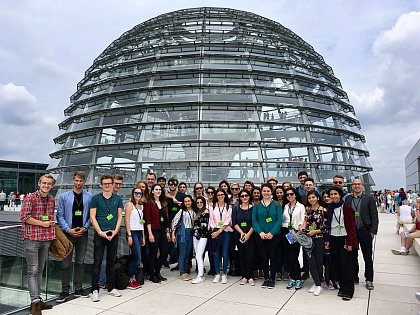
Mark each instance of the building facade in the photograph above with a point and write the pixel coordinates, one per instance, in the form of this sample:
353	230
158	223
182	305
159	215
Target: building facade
210	94
412	168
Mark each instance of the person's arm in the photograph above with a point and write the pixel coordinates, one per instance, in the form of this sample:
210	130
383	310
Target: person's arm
61	220
255	223
373	210
279	215
119	221
87	224
95	223
128	209
26	214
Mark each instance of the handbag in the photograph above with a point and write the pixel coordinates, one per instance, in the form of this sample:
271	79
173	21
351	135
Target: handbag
61	246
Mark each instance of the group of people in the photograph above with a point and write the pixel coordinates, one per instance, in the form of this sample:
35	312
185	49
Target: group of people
12	200
261	228
389	200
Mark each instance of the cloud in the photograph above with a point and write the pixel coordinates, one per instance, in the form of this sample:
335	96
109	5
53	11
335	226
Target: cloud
396	94
17	105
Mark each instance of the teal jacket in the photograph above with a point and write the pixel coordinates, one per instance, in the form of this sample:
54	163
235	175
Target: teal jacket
267	219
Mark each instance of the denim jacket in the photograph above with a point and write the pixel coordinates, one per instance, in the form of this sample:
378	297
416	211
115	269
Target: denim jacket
65	210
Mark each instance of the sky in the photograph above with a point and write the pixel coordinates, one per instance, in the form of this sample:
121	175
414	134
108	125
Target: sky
373	47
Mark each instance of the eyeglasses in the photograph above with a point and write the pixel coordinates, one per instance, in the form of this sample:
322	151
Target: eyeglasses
138	193
210	193
290	194
198	188
172	184
220	195
235	188
244	196
337	182
117	184
199	202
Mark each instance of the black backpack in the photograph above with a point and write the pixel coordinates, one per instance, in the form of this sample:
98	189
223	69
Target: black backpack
120	273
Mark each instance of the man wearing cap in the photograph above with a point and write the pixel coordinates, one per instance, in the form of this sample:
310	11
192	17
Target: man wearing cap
272	181
366	219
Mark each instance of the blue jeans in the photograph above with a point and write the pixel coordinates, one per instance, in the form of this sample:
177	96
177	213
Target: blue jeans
36	252
224	249
184	250
137	237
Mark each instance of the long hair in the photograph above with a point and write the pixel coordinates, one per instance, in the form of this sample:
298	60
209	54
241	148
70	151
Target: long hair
246	192
132	199
229	192
183	207
282	202
162	197
202	190
226	199
146	191
316	194
199	212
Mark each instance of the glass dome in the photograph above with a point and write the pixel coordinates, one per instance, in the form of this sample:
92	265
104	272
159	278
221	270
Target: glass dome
209	94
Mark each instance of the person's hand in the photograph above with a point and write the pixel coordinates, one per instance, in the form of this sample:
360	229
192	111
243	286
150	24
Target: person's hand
214	234
103	234
327	245
168	236
112	235
143	242
129	240
46	224
73	232
262	235
311	233
246	238
349	248
173	238
373	236
268	236
151	238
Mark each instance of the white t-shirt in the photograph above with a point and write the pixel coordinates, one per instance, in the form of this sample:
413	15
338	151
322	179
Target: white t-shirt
135	218
405	213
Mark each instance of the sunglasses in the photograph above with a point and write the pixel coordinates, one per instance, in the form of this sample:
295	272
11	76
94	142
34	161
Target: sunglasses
198	202
210	193
338	182
244	196
172	184
220	195
290	194
198	188
235	188
137	193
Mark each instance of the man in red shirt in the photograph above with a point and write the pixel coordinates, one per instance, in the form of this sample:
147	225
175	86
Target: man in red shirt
38	230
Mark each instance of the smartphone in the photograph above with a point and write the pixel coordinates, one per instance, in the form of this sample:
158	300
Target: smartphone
109	233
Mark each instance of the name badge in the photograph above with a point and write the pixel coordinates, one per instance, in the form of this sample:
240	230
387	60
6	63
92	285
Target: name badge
290	224
220	223
340	227
357	214
268	220
244	224
142	221
78	213
311	228
162	219
174	209
109	216
44	218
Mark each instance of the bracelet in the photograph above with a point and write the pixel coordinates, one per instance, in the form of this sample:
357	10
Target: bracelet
128	235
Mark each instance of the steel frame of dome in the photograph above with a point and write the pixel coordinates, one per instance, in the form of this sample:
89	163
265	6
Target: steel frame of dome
209	94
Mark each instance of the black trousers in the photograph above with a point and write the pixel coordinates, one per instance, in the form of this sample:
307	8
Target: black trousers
365	240
316	261
246	252
268	250
292	258
343	264
99	245
159	245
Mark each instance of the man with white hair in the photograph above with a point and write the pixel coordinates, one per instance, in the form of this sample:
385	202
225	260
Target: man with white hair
405	215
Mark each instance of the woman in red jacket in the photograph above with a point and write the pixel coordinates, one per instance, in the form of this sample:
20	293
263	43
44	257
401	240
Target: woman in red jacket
342	240
157	222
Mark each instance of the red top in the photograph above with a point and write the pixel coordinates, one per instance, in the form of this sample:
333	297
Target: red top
37	207
151	215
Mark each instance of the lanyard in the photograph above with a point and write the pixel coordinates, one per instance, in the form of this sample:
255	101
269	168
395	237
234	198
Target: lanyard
356	206
78	203
107	203
290	211
221	212
339	217
267	214
140	215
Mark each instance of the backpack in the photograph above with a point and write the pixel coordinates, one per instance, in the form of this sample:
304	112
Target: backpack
120	273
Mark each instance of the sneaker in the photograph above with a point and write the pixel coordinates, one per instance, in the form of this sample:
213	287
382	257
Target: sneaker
418	296
64	296
224	279
81	293
279	276
185	277
291	284
251	282
94	296
331	287
133	284
45	306
298	285
271	284
243	281
216	279
369	285
114	292
398	252
312	289
346	298
340	294
198	279
265	284
317	290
